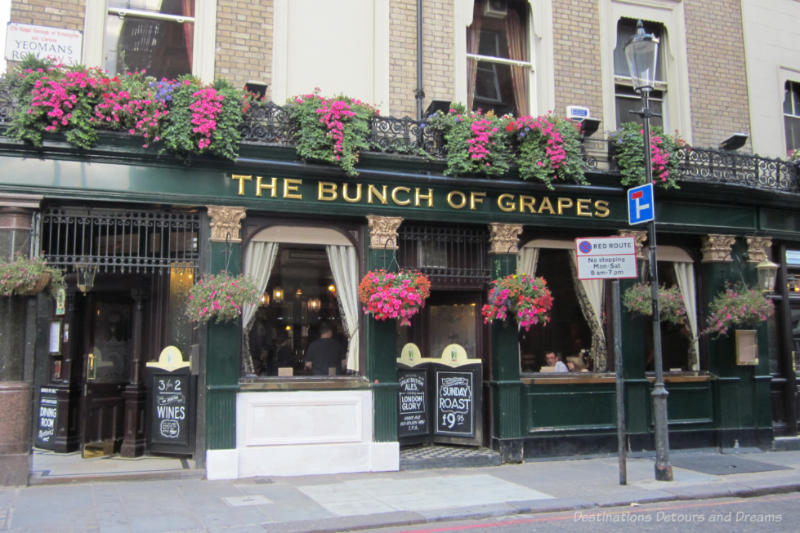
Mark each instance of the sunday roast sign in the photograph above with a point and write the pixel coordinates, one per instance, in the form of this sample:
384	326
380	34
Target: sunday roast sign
455	401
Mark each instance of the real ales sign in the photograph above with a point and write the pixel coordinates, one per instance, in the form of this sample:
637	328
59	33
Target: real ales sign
60	45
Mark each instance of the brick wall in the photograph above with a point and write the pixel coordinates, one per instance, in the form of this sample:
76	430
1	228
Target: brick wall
244	42
576	52
67	14
437	72
717	73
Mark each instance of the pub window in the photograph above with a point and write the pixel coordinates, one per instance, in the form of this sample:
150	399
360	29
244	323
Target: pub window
152	35
626	99
498	64
576	329
791	115
679	344
308	278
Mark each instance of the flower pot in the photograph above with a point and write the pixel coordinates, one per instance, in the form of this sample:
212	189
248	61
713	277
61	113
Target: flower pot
38	286
746	347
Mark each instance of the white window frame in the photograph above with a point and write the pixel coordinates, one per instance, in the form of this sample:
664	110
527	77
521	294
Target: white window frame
203	48
670	14
784	114
541	86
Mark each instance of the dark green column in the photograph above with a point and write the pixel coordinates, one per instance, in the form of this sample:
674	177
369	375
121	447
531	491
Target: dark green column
504	374
223	341
381	335
741	393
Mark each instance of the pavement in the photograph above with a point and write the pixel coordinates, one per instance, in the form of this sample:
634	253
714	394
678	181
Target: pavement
161	494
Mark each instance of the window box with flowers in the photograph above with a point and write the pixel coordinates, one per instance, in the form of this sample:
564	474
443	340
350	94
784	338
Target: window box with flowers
476	144
333	130
549	149
28	276
525	299
742	309
220	297
628	144
388	295
189	118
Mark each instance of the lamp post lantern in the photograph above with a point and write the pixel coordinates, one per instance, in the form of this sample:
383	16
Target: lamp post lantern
641	54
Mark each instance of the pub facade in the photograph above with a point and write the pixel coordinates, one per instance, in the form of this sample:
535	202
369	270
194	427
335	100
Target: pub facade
135	228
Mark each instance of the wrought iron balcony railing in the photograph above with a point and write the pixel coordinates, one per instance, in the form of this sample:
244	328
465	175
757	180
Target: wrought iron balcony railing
269	124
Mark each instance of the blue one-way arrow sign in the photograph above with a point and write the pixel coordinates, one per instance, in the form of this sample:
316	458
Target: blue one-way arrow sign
641	207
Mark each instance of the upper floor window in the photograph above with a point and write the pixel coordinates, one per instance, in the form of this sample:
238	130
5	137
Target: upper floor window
627	101
498	66
152	35
791	115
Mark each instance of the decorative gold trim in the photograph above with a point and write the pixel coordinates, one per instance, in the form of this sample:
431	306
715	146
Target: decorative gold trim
504	238
758	249
225	222
383	232
638	238
717	248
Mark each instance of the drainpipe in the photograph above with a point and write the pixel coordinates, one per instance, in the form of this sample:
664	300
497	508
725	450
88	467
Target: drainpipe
420	92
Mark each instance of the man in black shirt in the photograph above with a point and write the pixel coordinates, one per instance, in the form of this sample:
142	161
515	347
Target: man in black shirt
325	353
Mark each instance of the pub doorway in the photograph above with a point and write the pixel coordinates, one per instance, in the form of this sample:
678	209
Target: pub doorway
106	355
449	336
128	273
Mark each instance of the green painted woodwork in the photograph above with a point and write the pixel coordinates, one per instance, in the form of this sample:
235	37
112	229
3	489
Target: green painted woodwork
570	406
690	404
381	360
506	387
776	221
223	345
638	403
726	217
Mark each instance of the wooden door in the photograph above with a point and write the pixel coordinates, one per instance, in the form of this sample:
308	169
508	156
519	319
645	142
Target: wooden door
107	353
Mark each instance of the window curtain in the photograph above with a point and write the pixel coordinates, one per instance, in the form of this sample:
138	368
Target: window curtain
684	273
187	9
527	258
473	47
258	263
516	50
344	267
590	298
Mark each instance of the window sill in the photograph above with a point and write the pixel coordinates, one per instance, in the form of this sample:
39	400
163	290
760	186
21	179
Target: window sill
588	378
302	383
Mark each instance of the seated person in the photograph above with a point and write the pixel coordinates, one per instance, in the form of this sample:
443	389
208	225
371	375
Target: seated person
575	364
554	363
326	355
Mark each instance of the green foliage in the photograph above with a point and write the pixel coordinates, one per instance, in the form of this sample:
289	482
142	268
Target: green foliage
638	299
204	119
476	144
192	118
24	275
55	99
333	130
737	307
629	145
220	297
549	149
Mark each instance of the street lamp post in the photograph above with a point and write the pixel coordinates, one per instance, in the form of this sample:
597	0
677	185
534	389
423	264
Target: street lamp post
641	53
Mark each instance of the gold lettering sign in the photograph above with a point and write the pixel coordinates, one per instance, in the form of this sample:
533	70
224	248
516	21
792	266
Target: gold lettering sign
406	196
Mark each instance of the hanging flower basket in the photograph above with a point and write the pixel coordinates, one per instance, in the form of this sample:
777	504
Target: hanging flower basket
525	298
220	297
28	276
638	300
388	295
737	307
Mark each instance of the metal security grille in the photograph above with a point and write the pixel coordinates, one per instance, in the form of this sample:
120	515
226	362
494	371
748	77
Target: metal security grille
452	256
120	240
